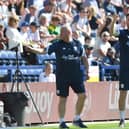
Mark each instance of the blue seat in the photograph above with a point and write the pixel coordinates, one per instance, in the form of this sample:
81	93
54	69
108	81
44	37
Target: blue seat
4	75
34	71
3	72
40	58
11	55
8	57
3	54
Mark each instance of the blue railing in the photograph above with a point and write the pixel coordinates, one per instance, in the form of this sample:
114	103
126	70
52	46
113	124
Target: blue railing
103	69
29	70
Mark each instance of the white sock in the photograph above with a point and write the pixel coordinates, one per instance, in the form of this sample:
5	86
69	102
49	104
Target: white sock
77	117
122	114
61	120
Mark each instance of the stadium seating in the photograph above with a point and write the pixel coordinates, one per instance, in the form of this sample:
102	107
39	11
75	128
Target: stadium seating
8	66
30	73
44	58
24	73
8	57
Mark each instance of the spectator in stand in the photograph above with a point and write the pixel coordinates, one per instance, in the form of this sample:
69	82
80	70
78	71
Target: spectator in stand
24	31
106	26
89	49
15	6
33	39
48	10
110	60
22	16
88	41
66	19
80	22
94	20
43	21
54	26
33	34
47	75
31	16
87	3
4	12
89	53
109	7
118	4
102	46
65	6
13	35
125	9
100	3
77	36
3	39
126	1
118	24
37	3
45	36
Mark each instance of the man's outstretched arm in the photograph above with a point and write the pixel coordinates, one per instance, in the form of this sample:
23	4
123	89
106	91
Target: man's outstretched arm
36	50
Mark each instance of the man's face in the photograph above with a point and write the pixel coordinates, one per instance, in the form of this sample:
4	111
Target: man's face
33	28
66	34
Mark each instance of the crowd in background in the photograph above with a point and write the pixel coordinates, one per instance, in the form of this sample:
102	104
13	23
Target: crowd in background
95	23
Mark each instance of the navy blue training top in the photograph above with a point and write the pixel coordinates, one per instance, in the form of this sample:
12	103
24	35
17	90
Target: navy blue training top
68	61
124	55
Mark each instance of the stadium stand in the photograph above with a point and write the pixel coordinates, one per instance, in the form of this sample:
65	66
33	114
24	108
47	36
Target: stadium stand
31	72
8	67
66	12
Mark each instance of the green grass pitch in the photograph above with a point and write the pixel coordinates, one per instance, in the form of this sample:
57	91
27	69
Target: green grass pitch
105	125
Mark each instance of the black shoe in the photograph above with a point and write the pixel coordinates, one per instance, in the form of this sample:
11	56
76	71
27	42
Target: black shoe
122	123
63	126
79	123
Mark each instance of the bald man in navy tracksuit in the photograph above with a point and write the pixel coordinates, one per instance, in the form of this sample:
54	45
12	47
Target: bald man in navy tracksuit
69	55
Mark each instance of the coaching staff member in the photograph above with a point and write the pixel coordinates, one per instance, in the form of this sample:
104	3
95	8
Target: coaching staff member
124	70
69	54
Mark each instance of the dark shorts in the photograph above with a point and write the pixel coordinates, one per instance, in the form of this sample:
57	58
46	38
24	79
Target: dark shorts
62	87
123	85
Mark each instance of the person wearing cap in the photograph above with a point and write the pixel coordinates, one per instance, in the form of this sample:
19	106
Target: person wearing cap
13	35
33	40
24	28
